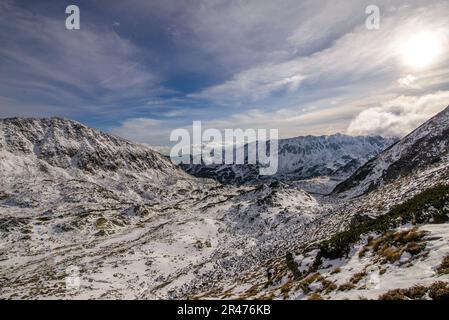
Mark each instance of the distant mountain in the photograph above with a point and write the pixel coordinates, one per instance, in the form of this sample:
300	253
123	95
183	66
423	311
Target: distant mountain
302	158
424	148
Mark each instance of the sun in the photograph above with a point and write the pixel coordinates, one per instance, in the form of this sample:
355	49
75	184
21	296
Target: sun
421	49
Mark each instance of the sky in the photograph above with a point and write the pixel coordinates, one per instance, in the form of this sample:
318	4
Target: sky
140	68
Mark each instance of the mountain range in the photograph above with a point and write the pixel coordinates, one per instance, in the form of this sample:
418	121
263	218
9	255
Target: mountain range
300	158
137	226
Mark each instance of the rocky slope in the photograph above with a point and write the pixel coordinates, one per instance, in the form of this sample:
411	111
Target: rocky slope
425	147
72	146
389	242
133	224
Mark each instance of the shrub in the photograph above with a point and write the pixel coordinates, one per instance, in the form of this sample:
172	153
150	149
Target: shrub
101	223
439	291
415	292
391	254
312	278
362	252
396	294
444	266
336	270
292	265
305	283
414	248
315	296
328	286
346	287
357	277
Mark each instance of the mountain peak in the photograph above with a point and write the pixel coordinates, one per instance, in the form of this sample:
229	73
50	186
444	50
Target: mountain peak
68	144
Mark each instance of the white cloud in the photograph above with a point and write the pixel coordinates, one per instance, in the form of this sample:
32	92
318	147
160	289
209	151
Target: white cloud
290	122
356	58
399	116
394	117
256	84
408	82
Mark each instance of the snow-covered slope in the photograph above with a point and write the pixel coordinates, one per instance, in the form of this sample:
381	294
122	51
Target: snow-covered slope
52	162
134	224
69	145
425	147
142	228
303	158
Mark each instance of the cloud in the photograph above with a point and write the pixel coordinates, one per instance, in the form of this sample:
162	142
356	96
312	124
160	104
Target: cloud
256	84
43	61
408	82
399	116
290	122
301	66
352	59
387	116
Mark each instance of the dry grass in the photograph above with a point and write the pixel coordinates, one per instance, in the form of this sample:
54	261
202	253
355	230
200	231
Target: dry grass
416	292
443	268
315	296
346	287
286	288
437	291
391	245
357	277
390	254
328	286
363	252
396	294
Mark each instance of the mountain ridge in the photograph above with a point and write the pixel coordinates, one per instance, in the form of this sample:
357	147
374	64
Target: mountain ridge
302	158
69	144
424	147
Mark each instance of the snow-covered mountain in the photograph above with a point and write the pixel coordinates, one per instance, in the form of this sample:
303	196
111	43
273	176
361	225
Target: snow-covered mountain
425	147
302	158
136	226
69	145
42	159
132	222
